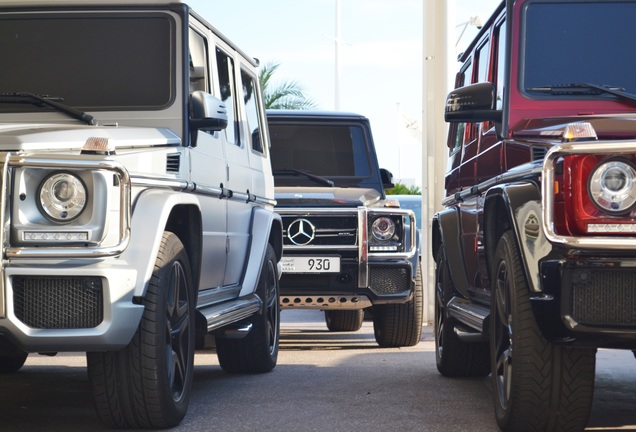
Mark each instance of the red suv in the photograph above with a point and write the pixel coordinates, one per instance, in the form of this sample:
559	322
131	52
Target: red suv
536	244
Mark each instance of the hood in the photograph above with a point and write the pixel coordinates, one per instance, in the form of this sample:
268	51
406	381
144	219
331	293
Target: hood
607	127
29	137
326	197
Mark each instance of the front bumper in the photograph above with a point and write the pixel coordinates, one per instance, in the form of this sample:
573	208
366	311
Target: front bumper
61	307
366	277
588	302
388	282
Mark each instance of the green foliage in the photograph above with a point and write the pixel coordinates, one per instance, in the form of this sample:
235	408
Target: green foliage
284	95
401	189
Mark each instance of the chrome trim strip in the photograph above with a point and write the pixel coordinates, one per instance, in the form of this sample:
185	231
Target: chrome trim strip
185	186
313	211
363	250
521	172
467	313
310	247
78	252
160	182
3	205
595	147
223	314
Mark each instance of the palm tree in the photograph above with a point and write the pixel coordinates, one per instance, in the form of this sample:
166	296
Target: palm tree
285	95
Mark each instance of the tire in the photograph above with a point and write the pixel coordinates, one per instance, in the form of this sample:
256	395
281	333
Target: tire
454	357
537	386
147	383
398	325
257	352
12	358
344	320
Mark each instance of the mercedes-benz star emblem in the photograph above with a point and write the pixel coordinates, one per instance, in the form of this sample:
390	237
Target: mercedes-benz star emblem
301	232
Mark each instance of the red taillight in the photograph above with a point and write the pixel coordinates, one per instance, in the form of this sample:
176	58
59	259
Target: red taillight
575	212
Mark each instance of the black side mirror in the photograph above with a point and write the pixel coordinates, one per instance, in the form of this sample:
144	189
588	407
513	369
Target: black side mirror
473	103
387	179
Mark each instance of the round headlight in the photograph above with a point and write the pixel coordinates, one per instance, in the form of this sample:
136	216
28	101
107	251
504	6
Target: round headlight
383	228
62	197
612	186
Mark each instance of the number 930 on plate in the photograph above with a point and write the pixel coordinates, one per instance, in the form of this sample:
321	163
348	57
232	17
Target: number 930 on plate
314	264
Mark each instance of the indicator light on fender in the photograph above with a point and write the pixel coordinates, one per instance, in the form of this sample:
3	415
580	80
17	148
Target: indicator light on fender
579	131
98	145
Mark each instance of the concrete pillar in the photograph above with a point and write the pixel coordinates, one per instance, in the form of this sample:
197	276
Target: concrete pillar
438	48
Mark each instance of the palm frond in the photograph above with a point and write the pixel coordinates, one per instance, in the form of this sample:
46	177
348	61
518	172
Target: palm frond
285	95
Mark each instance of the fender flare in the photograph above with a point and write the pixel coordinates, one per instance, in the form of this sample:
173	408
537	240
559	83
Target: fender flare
146	232
266	228
447	232
521	204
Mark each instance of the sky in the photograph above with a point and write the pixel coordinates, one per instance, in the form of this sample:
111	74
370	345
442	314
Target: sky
380	59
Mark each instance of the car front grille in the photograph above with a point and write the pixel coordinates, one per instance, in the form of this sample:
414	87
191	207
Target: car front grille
330	229
603	296
58	302
385	280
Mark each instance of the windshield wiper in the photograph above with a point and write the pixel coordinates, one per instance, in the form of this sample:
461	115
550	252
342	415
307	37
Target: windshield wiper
585	89
310	176
35	99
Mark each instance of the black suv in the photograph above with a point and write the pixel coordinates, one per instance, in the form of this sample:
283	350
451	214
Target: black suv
346	247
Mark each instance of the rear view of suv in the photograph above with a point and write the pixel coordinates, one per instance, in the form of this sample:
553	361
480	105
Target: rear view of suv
536	244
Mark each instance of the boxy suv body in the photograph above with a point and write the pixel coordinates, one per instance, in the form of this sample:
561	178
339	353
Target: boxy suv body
536	244
137	200
346	247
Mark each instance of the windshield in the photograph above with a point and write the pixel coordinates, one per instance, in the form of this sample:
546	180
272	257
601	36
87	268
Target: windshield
579	42
104	62
325	150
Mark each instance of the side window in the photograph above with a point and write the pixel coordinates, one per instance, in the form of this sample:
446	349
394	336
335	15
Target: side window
501	63
482	59
198	63
226	82
462	133
251	110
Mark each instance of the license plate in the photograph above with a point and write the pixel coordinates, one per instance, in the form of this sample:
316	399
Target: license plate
311	264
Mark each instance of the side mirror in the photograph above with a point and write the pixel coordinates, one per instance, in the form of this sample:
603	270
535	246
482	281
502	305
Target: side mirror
207	112
387	179
473	103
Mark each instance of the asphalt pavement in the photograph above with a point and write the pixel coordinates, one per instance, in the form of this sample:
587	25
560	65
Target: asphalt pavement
323	382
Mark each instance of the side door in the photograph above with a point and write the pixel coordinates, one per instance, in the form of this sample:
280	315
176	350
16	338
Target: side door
257	137
470	209
209	169
239	177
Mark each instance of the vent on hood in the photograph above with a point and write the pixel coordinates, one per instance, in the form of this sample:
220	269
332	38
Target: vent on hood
538	153
173	163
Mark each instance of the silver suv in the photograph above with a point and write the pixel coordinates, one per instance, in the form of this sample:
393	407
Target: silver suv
137	201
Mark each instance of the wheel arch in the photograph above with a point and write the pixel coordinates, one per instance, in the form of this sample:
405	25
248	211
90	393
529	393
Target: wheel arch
447	233
156	211
266	228
509	207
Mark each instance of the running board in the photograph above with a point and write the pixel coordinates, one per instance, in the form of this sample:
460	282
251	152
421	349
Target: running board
470	315
227	313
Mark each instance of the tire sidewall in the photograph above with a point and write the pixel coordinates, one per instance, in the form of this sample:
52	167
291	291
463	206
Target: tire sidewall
155	322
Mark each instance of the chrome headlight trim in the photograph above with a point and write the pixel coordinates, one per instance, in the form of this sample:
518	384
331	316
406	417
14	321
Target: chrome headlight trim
612	186
62	197
383	228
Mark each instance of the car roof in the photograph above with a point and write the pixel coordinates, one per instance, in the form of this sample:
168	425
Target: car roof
310	114
406	197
